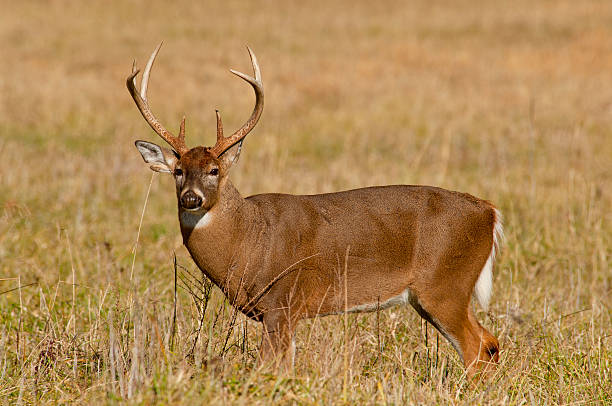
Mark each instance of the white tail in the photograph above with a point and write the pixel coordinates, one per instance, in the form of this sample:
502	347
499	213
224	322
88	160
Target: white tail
484	284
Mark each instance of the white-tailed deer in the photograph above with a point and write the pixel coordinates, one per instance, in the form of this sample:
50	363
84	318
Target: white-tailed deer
280	258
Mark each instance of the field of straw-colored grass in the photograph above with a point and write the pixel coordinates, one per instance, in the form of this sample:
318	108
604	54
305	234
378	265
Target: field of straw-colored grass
510	101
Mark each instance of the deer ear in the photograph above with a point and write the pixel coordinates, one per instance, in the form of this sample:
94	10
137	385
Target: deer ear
161	159
229	157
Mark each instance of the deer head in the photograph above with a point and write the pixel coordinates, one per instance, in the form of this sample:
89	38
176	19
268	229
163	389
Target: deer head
200	171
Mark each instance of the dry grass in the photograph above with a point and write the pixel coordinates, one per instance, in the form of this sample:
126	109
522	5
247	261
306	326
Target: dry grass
357	94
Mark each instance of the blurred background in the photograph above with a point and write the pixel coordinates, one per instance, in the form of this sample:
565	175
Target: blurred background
510	101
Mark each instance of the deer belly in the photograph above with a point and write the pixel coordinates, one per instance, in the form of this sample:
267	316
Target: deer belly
367	287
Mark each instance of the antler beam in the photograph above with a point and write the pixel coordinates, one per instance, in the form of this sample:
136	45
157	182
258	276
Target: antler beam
178	143
224	143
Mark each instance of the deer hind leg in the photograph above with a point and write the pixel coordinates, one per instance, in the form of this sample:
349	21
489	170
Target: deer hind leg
453	318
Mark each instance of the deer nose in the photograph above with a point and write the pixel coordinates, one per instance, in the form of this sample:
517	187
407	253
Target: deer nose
190	200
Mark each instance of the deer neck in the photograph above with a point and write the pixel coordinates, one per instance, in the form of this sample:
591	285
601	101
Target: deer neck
214	238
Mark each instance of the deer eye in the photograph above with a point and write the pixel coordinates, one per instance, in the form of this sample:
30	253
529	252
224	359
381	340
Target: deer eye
214	171
178	172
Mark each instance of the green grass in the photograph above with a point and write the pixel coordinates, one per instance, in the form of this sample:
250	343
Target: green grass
507	101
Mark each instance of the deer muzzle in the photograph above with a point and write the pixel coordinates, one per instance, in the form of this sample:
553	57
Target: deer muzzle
191	200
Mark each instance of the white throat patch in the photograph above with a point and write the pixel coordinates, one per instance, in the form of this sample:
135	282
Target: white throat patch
195	220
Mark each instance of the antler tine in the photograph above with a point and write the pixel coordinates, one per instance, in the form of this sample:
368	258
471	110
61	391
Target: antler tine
219	126
223	143
140	98
181	135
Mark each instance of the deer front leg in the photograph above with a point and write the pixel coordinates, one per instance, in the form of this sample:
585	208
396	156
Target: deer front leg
277	347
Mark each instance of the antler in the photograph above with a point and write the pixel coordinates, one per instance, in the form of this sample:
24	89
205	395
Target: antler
178	143
224	143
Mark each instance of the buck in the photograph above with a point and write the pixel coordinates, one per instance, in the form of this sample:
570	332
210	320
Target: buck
281	258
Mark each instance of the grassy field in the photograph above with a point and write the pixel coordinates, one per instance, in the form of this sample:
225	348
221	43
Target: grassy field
509	101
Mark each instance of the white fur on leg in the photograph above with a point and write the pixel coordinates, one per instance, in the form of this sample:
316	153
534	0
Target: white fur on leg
292	350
